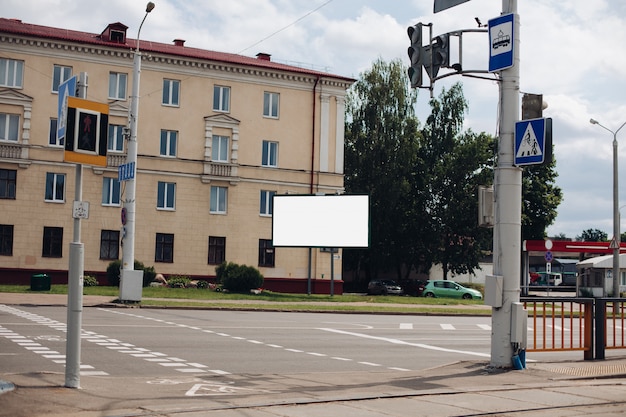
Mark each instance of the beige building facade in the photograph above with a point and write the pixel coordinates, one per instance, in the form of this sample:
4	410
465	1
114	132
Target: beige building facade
218	135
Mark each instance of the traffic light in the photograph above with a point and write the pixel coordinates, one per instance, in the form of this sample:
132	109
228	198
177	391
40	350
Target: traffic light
416	54
532	106
441	52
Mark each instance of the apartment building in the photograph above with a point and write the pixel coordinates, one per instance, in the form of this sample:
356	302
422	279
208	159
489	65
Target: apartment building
218	135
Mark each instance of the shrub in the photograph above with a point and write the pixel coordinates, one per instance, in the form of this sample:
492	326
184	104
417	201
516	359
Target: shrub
238	278
90	281
115	268
178	281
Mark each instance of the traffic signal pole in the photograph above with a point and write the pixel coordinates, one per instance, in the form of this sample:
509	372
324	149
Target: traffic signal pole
507	206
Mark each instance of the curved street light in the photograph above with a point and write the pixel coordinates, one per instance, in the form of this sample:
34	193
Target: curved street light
615	243
128	249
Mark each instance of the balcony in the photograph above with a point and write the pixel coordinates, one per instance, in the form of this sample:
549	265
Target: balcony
219	171
11	151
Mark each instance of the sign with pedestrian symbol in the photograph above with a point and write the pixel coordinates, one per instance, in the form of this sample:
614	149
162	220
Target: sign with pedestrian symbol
530	142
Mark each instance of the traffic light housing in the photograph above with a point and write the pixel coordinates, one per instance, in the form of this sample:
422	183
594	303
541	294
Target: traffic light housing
416	55
440	54
532	106
86	132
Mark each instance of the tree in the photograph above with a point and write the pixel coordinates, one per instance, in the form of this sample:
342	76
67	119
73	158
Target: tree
593	235
540	199
381	153
458	163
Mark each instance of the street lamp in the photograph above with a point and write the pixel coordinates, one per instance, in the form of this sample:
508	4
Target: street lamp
128	249
615	243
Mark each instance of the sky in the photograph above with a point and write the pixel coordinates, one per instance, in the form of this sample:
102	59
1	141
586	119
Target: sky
572	52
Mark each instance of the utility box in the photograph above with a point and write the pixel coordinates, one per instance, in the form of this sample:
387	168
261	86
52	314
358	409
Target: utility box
493	290
131	284
40	282
519	324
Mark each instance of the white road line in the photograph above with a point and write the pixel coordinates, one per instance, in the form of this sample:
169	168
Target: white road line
406	326
446	326
484	326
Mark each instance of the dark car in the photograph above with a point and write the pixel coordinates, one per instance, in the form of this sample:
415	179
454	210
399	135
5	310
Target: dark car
384	287
414	287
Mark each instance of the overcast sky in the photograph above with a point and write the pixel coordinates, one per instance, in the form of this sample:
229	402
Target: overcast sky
573	52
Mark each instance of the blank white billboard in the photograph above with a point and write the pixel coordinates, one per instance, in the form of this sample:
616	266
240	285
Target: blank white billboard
333	221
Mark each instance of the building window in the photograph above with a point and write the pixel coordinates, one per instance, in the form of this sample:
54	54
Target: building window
52	136
115	142
164	248
55	187
52	242
117	86
168	142
221	98
166	195
109	244
266	253
219	196
60	74
219	149
270	105
217	250
110	192
8	183
269	154
171	92
266	202
6	240
11	73
9	126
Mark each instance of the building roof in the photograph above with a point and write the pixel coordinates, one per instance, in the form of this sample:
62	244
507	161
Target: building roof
605	261
17	27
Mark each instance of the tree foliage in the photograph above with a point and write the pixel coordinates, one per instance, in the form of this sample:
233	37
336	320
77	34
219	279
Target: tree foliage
593	235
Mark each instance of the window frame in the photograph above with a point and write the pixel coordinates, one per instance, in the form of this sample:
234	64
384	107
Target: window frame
271	105
8	184
168	144
111	191
52	178
166	196
60	74
115	136
114	90
267	253
52	244
217	250
218	203
53	140
163	242
11	73
269	150
221	148
10	127
221	98
172	88
109	245
266	203
7	233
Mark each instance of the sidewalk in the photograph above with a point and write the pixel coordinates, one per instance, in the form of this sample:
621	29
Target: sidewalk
467	388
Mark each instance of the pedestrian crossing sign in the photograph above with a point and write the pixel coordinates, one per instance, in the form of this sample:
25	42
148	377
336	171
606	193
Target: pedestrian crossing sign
533	144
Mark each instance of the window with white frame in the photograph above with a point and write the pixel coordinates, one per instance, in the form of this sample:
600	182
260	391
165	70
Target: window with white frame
11	73
219	197
115	142
219	149
269	154
266	202
171	92
117	85
52	134
168	142
166	195
9	127
55	187
270	104
60	74
221	98
110	191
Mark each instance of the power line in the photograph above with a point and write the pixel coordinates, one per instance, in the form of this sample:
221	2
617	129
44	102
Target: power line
289	25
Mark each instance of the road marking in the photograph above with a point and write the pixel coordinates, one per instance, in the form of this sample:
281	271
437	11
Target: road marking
446	326
402	342
406	326
484	326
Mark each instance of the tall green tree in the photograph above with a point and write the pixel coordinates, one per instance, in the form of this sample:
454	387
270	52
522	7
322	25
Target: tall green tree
458	163
593	235
381	136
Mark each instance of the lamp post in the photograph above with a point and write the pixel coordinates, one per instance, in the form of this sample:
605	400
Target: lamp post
128	248
615	243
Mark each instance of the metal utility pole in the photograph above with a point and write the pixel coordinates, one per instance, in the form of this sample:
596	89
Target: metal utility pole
130	289
507	205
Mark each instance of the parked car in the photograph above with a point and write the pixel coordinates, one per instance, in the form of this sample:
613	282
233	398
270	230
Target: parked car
384	287
414	287
451	289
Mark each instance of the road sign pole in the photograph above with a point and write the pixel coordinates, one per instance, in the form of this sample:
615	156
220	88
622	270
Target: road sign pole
508	203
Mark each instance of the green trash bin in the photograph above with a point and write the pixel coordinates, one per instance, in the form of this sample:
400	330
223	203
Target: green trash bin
40	282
